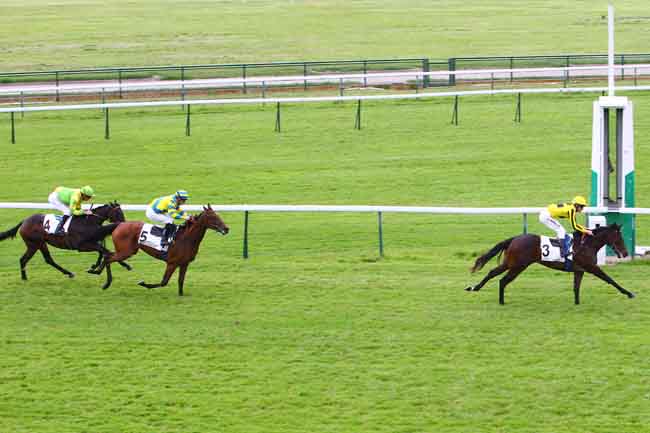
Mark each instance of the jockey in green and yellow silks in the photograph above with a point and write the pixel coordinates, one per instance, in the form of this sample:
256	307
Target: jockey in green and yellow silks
167	209
68	201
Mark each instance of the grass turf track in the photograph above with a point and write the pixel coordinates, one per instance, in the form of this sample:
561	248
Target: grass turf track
314	333
70	34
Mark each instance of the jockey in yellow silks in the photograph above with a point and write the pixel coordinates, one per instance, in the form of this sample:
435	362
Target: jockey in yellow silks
552	212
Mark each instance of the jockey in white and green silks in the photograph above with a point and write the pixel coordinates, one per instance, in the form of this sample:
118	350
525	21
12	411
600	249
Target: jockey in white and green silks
68	201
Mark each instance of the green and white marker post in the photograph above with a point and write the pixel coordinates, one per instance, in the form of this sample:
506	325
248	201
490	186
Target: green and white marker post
607	166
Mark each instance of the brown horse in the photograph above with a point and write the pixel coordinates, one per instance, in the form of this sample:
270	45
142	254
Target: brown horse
522	251
179	255
85	234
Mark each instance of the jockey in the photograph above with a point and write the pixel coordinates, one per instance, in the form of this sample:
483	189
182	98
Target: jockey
166	209
564	210
68	201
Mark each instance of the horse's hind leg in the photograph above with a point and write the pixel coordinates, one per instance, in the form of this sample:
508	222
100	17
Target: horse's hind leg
31	250
493	273
503	282
168	274
50	261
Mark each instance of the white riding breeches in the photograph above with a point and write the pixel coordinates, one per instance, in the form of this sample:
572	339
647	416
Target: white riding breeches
54	201
546	219
159	218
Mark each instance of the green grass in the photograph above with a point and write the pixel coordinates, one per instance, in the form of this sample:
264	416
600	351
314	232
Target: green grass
69	34
314	332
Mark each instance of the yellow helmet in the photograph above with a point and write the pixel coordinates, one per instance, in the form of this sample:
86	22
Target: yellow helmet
579	200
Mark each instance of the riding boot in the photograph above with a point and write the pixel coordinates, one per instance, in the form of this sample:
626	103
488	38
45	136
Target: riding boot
168	235
59	229
566	242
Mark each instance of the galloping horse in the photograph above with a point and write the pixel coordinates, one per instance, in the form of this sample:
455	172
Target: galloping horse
84	234
179	255
522	251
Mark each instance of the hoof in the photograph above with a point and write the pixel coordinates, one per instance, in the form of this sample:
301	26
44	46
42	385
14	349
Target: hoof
142	283
71	275
469	288
631	295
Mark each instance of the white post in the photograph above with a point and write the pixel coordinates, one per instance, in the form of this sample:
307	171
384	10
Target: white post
610	49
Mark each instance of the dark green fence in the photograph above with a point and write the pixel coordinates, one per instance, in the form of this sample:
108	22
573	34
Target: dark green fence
307	68
549	61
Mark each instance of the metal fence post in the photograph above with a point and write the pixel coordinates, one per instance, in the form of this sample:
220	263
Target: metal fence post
119	82
278	126
245	253
304	74
525	223
13	129
518	109
623	74
107	132
187	121
357	121
381	234
57	85
426	80
340	86
365	71
452	68
454	116
243	75
22	104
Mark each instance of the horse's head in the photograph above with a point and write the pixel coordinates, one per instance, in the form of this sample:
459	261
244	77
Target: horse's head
212	220
612	237
111	211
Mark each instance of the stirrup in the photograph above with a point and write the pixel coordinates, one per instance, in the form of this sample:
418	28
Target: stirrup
60	229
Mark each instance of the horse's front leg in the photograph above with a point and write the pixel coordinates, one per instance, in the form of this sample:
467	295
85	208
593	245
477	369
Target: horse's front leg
171	267
97	263
181	278
595	270
577	279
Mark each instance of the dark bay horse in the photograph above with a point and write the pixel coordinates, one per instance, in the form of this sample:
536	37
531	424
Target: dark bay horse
85	234
179	255
522	251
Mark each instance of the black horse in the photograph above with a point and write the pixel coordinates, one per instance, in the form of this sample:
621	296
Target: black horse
85	234
522	251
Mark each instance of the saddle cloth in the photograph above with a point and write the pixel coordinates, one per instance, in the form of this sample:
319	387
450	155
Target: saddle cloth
51	222
550	248
151	236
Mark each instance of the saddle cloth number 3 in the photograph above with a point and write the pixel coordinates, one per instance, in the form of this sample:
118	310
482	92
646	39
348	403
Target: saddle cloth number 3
550	252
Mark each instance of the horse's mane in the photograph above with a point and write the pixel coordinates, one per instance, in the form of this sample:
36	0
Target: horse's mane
601	229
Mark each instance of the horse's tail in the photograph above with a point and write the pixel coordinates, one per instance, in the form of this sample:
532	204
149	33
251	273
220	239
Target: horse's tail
102	232
10	233
497	249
